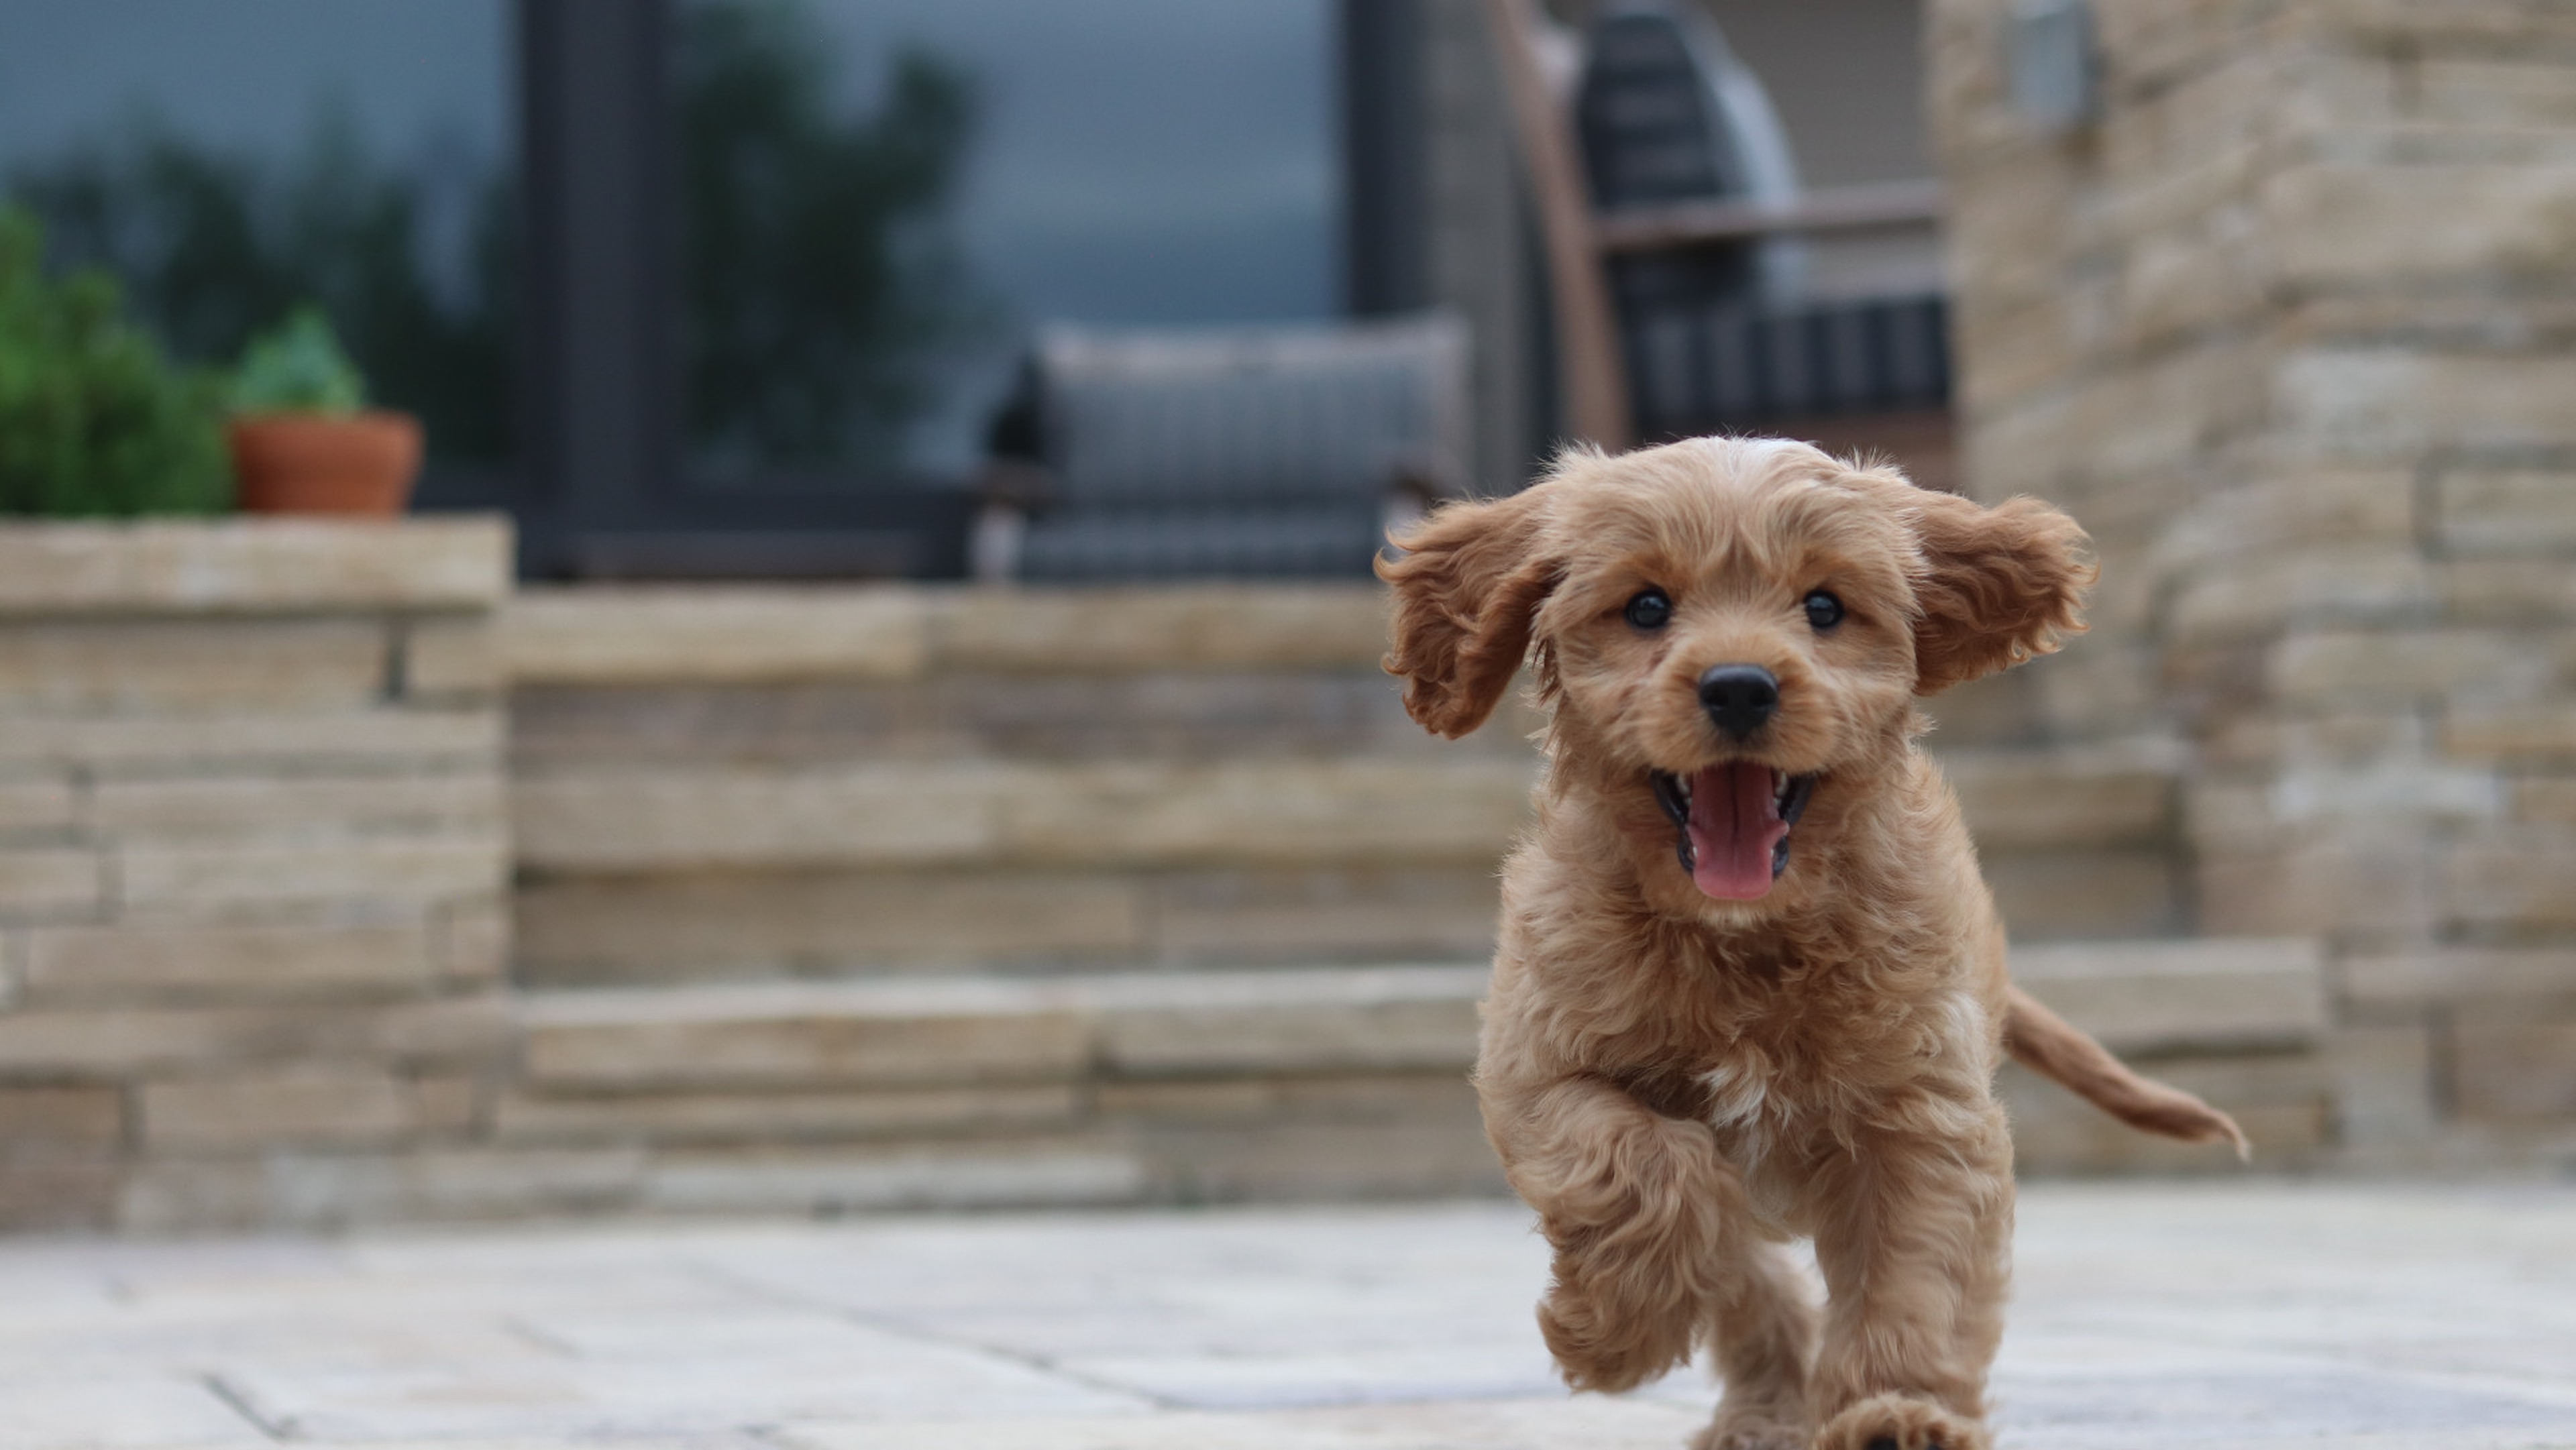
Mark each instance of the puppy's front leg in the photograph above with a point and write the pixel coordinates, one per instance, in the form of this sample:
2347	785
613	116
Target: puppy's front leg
1643	1214
1914	1234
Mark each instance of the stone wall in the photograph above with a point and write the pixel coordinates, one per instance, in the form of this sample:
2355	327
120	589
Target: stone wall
253	856
858	897
736	785
339	883
824	899
2288	326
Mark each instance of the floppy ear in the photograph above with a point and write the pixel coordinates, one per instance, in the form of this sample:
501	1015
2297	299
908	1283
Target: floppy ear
1999	586
1466	587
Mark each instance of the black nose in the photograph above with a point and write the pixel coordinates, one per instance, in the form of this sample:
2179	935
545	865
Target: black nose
1739	698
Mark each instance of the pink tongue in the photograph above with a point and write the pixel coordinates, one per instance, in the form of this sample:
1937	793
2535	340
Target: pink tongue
1734	827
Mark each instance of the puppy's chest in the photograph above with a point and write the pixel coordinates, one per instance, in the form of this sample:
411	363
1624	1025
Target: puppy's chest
1751	1098
1761	1111
1752	1091
1769	1089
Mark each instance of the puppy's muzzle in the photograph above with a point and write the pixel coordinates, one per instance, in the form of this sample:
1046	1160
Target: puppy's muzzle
1740	699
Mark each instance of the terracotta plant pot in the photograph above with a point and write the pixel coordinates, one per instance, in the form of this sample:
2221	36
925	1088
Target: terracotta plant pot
309	463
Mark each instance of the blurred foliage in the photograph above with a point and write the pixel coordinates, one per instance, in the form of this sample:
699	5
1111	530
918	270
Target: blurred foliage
819	289
298	367
94	420
818	292
214	248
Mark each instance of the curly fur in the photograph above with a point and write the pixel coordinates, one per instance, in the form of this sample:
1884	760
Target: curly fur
1679	1083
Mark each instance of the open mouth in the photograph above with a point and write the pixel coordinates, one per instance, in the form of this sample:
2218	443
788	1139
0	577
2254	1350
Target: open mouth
1731	824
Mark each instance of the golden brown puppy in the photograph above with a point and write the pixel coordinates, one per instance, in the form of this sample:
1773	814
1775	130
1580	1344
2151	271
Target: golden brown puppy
1750	983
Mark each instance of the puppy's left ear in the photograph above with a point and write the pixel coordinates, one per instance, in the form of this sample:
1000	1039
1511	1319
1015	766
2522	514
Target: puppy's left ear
1470	580
1999	585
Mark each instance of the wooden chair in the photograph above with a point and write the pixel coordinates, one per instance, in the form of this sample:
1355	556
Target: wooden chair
1674	288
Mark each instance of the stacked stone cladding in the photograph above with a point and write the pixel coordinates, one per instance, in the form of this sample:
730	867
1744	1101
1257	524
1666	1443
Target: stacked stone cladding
254	857
339	881
2291	326
738	785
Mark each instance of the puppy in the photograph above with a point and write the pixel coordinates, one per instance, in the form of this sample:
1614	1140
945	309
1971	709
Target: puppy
1750	984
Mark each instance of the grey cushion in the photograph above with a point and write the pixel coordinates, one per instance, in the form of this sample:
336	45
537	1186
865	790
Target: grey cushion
1242	451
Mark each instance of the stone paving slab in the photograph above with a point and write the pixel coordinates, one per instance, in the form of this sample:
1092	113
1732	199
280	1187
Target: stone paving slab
2213	1316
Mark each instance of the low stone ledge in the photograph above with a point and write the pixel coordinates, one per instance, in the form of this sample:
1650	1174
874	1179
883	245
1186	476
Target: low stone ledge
2217	994
380	736
1255	1023
252	566
297	962
594	635
851	1035
913	1033
264	1109
2116	795
310	1189
697	1116
1204	626
136	1043
1030	813
1060	1172
2284	1101
255	881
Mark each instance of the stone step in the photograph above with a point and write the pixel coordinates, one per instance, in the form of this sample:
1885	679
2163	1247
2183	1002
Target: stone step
603	635
952	1032
670	928
2077	843
1163	714
1190	1067
2208	995
1319	1083
2054	799
864	781
307	1190
654	875
2211	995
1142	1087
2241	1021
635	815
1137	813
630	817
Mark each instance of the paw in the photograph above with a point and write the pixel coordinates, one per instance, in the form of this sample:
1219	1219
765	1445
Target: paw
1900	1422
1598	1349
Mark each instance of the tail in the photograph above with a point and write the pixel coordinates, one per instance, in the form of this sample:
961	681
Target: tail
2056	1049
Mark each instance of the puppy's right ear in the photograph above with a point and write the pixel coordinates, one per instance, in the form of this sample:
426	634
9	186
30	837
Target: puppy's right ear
1471	577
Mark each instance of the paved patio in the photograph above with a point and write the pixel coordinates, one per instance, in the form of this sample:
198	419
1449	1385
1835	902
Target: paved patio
2395	1318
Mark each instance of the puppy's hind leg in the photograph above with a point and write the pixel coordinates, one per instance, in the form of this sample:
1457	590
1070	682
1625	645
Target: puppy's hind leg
1643	1214
1763	1334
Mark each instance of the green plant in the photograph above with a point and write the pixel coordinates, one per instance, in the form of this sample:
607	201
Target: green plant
298	367
214	245
93	418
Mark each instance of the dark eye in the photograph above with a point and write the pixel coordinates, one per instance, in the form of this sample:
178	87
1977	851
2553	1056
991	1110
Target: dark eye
1650	610
1824	611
